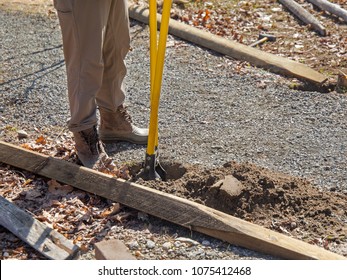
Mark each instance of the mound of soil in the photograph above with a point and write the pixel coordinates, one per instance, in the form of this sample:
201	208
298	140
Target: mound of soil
286	204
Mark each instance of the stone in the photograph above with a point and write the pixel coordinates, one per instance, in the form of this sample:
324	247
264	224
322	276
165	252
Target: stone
167	245
229	186
112	250
150	244
22	134
188	241
133	245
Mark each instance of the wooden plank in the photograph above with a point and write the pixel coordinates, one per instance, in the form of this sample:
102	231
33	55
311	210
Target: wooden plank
45	240
177	210
234	49
304	16
332	8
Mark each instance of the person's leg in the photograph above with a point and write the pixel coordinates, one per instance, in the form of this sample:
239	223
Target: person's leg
116	46
83	24
115	122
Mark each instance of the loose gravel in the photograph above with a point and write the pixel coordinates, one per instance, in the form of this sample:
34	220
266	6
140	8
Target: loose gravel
209	114
213	110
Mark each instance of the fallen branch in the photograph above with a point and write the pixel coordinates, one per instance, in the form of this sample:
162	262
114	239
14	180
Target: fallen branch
304	16
45	240
233	49
177	210
331	8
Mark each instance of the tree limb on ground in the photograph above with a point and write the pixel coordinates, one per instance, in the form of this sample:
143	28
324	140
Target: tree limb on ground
331	8
304	16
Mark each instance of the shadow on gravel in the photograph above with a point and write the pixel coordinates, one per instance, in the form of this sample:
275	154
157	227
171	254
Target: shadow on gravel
51	68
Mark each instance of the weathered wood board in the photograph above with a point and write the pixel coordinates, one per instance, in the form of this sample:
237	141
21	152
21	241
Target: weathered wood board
45	240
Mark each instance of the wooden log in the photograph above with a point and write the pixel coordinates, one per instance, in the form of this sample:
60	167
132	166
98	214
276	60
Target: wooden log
233	49
174	209
45	240
304	16
332	8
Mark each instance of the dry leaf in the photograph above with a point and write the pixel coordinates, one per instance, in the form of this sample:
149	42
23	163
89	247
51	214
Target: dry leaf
121	217
41	140
57	189
77	239
114	209
81	226
26	146
28	181
84	248
32	194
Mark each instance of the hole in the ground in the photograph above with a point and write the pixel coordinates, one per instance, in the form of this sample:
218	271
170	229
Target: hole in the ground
174	170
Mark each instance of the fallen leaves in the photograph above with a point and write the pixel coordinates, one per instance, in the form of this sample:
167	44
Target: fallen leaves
81	217
57	189
41	140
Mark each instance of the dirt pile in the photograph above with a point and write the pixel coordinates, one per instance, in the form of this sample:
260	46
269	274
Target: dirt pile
286	204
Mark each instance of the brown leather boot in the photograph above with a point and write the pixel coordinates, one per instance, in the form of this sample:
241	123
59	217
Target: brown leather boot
117	126
90	150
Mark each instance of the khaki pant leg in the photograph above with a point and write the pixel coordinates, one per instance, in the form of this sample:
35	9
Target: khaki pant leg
83	24
116	47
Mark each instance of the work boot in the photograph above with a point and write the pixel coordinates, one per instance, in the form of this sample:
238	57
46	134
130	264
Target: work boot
117	126
90	150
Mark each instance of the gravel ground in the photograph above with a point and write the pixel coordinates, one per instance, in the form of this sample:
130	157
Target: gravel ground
231	112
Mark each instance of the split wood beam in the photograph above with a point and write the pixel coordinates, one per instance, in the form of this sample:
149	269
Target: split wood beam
45	240
304	16
256	57
331	8
179	211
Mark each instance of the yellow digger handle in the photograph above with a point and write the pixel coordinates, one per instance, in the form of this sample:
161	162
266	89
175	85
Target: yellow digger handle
153	26
157	57
153	39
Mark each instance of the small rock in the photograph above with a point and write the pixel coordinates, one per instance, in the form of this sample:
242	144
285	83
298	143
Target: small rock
22	134
229	186
133	245
211	254
113	249
5	254
178	244
167	245
191	255
293	225
200	252
150	244
206	243
187	241
138	254
217	147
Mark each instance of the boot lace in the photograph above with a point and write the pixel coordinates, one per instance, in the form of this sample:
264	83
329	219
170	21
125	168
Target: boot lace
92	140
123	111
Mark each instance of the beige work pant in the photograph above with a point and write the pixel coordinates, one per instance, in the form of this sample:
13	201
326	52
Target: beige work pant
96	40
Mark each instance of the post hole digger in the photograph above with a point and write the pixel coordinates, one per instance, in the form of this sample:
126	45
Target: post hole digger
152	169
